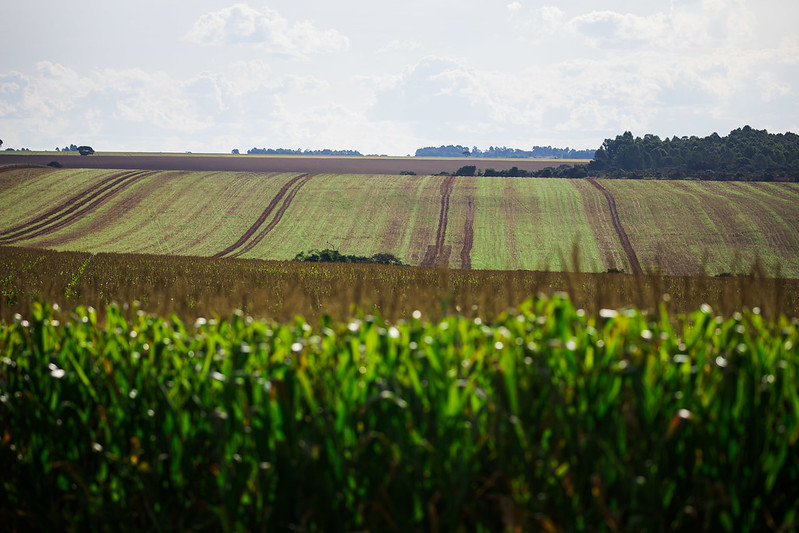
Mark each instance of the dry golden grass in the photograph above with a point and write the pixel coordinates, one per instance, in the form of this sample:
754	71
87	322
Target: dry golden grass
191	287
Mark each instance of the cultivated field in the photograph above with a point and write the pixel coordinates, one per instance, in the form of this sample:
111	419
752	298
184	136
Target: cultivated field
194	287
275	163
673	227
408	397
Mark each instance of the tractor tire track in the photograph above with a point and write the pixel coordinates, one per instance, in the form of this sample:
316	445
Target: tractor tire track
242	245
77	207
614	216
468	235
39	221
433	256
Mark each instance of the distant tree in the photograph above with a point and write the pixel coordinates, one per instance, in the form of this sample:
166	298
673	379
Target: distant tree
467	170
85	150
1	142
235	151
331	255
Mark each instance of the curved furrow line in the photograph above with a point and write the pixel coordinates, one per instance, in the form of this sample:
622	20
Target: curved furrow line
94	201
278	215
262	218
468	235
614	216
432	256
41	220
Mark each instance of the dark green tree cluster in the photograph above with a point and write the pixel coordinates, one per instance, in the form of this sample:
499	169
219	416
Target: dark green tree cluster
562	171
330	255
503	152
746	153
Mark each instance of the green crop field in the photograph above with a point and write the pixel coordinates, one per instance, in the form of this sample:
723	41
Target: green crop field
547	419
680	228
353	397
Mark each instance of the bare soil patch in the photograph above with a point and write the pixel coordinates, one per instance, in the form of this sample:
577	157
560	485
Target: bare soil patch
468	235
433	256
264	163
289	190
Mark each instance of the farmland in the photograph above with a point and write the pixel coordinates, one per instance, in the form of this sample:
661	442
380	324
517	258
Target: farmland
675	228
273	163
194	287
548	418
163	367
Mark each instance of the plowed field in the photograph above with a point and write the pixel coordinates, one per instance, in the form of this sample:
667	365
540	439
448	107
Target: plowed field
679	228
276	163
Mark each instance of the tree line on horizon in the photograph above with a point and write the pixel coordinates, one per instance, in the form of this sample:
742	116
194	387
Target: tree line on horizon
503	152
289	151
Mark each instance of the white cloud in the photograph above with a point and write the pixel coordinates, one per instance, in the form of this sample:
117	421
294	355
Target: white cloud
242	24
398	45
552	15
611	28
548	72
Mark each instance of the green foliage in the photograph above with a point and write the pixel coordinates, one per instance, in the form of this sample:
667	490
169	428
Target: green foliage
744	153
466	170
503	152
547	419
330	255
289	151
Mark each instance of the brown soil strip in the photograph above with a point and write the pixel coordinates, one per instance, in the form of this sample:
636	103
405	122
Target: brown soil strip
614	215
276	220
261	219
76	208
265	163
594	206
134	200
92	191
468	235
289	190
431	257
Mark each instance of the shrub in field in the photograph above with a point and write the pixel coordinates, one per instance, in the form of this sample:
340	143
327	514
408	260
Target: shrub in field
545	419
329	255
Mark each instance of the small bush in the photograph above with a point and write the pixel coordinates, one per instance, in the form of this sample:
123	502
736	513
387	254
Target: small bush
329	255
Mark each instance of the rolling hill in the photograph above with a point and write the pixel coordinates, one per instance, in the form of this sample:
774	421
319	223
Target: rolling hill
677	227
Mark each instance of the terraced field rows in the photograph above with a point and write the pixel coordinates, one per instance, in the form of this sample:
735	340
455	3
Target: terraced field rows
685	226
463	222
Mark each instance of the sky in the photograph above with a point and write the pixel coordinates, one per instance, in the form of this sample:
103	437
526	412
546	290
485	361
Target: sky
390	77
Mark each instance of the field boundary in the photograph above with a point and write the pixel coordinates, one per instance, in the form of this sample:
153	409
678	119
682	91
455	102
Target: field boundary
468	235
614	216
434	254
72	209
277	163
242	246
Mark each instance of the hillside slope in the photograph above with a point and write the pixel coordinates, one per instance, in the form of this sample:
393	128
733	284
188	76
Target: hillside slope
463	222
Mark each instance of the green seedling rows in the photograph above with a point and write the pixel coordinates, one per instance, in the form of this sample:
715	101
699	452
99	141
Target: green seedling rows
547	419
674	227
